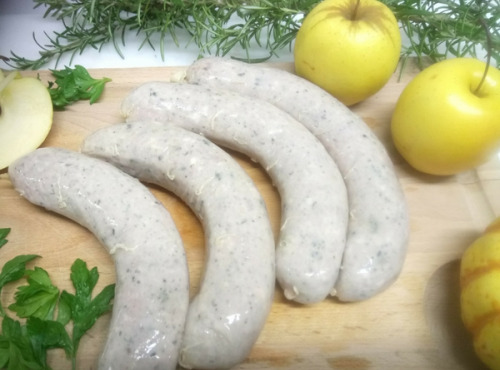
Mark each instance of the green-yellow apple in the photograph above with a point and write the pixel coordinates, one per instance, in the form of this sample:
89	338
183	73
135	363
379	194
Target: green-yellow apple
350	48
441	124
26	114
480	293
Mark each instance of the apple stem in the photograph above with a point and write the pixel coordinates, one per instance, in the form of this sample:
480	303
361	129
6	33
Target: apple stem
355	11
489	46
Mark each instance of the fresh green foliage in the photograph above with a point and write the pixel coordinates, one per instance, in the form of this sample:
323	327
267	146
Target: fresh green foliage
208	23
16	351
38	298
73	84
435	28
84	311
441	28
48	334
25	346
13	270
3	235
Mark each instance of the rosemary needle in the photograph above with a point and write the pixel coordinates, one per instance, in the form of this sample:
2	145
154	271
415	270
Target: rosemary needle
435	29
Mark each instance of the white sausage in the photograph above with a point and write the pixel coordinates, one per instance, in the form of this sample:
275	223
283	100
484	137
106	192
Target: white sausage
379	223
227	315
152	287
313	196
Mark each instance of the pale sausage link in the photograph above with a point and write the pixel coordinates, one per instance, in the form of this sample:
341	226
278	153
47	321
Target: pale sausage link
152	287
313	196
379	223
228	313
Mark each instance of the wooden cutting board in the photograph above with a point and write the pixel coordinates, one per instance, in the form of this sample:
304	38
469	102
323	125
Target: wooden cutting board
412	325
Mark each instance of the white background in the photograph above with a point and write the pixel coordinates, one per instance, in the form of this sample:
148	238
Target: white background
18	22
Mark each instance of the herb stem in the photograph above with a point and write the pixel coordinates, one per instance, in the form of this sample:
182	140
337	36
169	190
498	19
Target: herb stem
435	29
488	56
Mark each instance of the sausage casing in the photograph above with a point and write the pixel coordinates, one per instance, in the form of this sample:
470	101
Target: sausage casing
152	287
228	313
379	223
313	195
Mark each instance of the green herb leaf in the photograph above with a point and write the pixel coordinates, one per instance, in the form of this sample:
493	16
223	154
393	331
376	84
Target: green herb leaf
435	28
38	298
438	29
47	334
63	311
73	84
3	235
85	310
13	270
26	346
16	351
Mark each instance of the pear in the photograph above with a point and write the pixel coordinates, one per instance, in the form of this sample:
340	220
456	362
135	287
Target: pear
26	115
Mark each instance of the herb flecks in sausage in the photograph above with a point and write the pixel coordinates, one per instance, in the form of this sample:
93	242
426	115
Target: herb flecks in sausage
231	307
312	191
373	188
137	229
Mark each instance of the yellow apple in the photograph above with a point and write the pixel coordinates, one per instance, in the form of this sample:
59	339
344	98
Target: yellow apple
350	48
25	116
480	294
441	125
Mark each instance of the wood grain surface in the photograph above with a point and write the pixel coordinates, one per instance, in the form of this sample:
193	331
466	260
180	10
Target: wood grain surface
414	324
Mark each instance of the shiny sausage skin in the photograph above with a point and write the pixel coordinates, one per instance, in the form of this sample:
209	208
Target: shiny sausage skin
313	196
228	313
152	287
379	223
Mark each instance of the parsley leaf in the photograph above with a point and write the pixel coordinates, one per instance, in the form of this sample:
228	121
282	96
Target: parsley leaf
13	270
26	346
85	310
38	298
16	351
47	334
3	235
73	84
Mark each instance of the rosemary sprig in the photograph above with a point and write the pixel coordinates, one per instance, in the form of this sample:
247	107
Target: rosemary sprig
436	29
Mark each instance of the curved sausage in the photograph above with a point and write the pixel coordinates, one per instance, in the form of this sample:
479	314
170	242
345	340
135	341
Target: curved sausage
379	224
227	315
313	195
152	287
